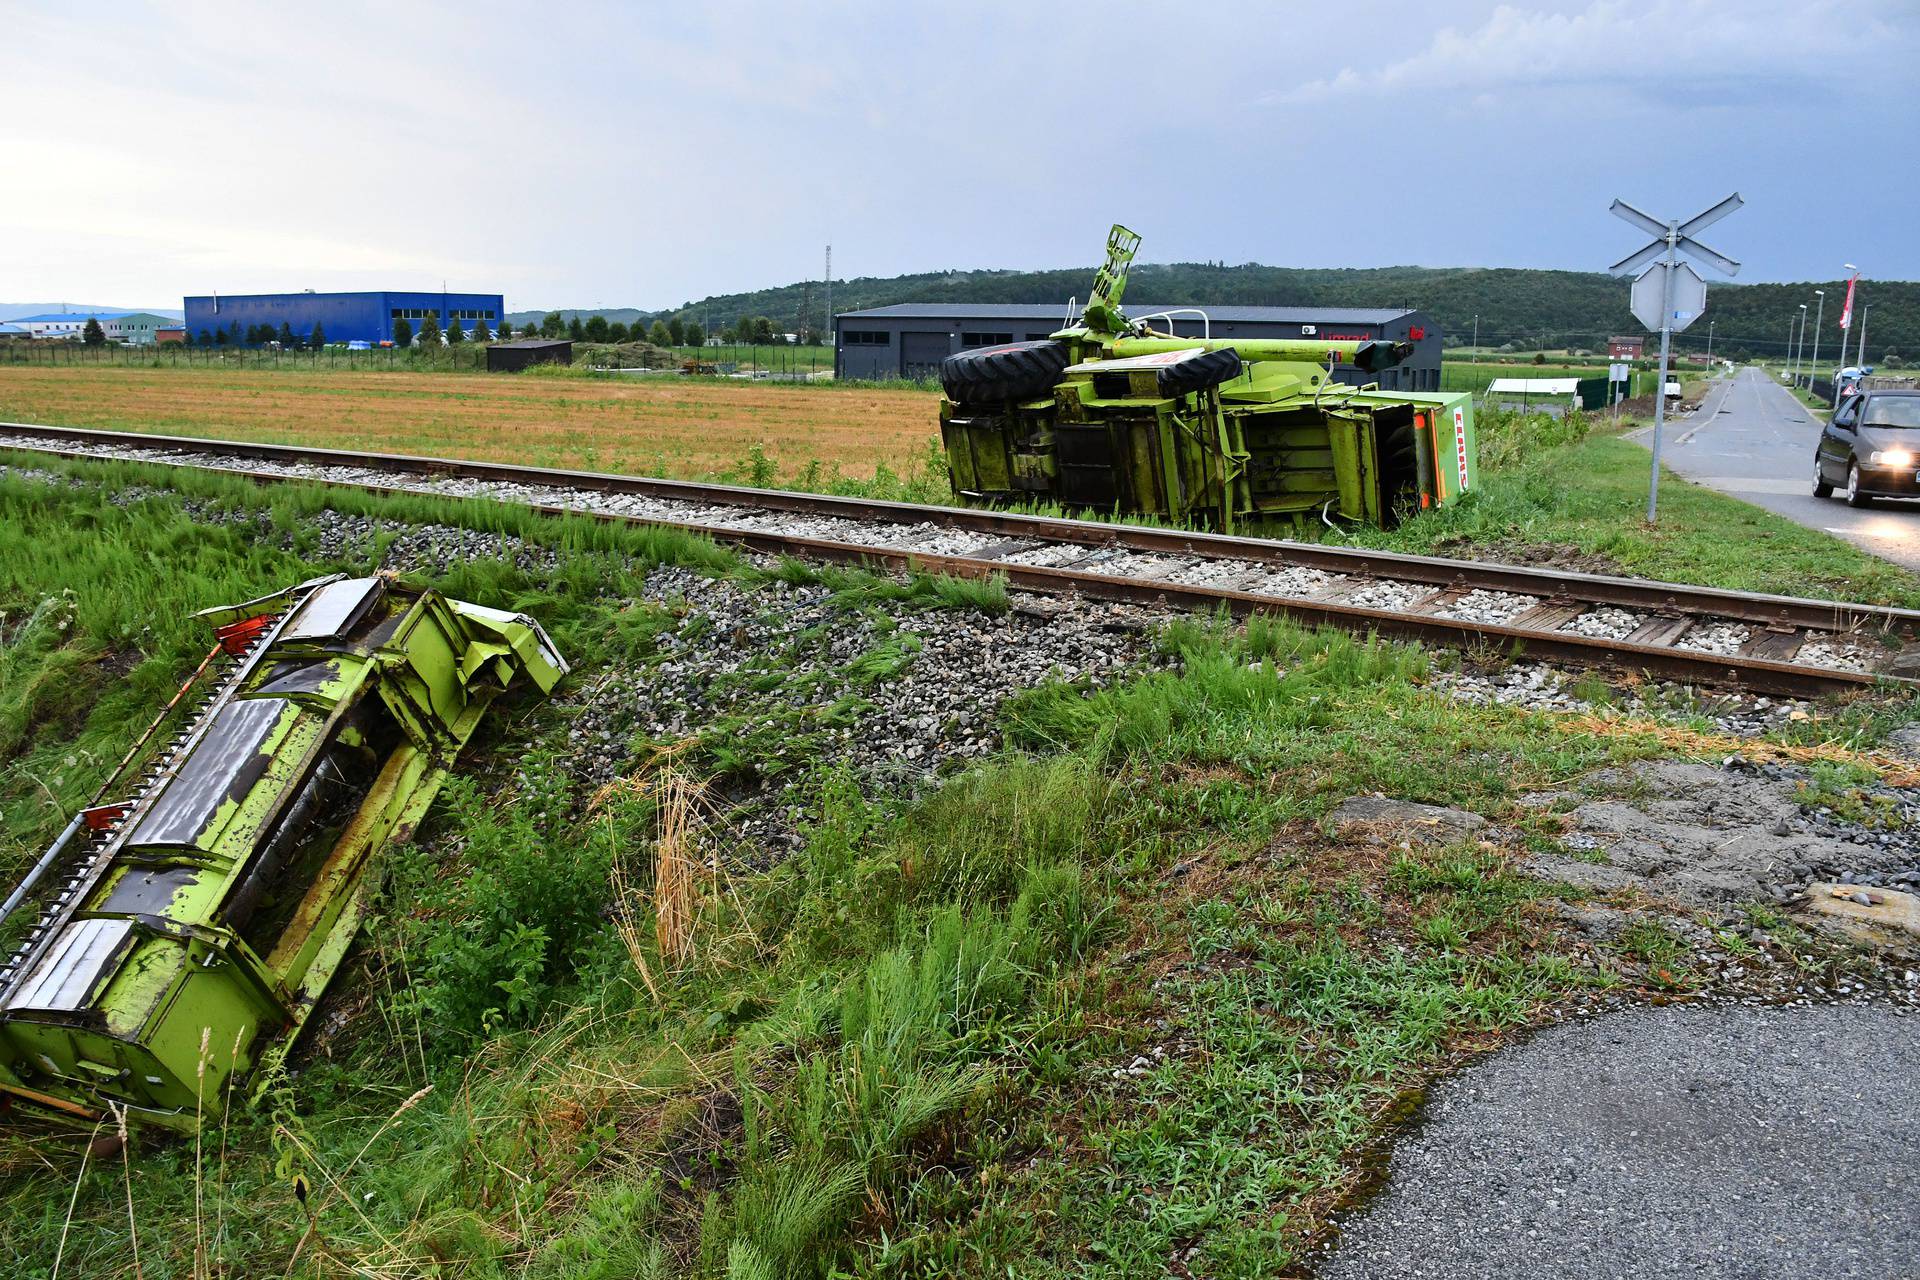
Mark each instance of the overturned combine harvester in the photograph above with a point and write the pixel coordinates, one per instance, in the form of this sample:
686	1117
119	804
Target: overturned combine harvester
194	913
1111	415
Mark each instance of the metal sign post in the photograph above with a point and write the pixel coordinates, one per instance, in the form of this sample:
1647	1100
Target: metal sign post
1674	288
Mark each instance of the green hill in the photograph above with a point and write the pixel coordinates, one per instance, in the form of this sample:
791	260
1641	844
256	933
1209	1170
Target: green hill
1527	307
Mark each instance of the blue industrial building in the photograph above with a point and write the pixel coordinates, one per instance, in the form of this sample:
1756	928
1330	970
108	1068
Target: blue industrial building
343	317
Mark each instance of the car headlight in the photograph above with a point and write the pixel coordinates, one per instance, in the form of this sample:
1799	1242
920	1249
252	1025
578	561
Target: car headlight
1891	457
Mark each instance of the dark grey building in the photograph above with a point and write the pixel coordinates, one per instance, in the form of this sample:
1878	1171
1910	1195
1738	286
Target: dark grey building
511	357
910	339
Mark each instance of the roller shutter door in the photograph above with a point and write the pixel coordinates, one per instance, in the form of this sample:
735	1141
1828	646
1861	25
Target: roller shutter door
921	354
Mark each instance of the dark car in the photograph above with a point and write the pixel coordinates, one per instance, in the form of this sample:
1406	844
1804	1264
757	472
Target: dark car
1871	448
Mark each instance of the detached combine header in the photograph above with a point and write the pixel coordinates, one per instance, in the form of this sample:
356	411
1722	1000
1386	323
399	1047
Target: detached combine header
208	894
1109	414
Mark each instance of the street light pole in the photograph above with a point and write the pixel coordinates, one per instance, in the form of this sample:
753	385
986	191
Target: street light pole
1813	365
1786	365
1476	333
1846	319
1709	343
1800	344
1864	308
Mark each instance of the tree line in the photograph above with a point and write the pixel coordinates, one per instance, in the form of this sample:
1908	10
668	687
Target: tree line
1529	308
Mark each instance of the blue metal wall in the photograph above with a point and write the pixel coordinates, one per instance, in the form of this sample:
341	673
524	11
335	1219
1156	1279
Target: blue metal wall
345	317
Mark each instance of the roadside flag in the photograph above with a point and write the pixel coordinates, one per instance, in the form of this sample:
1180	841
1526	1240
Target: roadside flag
1846	312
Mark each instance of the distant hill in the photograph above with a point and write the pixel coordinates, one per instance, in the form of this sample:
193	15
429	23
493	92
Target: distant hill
1527	307
623	315
12	310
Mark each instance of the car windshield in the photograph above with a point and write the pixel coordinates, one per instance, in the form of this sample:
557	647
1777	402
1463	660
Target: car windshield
1892	411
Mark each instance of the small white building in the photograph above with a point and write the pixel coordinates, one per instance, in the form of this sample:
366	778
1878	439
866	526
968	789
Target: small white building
56	324
1554	396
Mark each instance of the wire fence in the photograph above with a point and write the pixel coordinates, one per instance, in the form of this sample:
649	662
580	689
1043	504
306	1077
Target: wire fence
778	361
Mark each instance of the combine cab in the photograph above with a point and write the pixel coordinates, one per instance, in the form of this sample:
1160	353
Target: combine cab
1110	415
196	911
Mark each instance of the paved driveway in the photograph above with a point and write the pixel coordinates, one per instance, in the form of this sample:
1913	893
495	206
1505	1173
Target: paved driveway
1750	438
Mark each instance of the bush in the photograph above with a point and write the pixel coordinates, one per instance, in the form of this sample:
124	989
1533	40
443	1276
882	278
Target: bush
524	919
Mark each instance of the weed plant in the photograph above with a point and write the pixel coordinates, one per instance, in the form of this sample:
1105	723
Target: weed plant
1114	1002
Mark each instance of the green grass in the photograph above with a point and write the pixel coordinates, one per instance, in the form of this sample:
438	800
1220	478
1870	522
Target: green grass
1548	482
892	1051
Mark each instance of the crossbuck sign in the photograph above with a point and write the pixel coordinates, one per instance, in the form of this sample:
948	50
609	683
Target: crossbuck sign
1669	295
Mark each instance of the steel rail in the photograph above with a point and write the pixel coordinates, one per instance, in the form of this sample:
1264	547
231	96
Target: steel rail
1439	571
1743	670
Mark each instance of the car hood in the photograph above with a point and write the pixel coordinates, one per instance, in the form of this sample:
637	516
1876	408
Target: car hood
1890	438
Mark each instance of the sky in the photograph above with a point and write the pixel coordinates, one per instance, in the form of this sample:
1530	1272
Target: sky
593	155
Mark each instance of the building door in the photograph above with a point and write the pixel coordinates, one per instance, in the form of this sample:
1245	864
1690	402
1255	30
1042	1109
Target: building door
921	354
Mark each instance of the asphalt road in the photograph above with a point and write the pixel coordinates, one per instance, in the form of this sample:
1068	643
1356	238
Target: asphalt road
1750	438
1714	1144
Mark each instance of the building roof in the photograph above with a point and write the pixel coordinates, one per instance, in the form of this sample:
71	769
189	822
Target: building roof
146	315
8	326
1056	312
1535	386
77	317
343	293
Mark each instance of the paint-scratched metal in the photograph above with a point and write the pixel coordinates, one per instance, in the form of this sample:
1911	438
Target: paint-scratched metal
231	758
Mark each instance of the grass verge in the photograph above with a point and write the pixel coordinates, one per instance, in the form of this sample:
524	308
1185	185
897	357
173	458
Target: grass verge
1115	1002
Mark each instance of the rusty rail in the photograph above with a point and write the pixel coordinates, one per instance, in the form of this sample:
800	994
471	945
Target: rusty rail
1796	619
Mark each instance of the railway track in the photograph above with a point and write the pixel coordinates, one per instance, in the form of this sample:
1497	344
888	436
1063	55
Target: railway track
1763	643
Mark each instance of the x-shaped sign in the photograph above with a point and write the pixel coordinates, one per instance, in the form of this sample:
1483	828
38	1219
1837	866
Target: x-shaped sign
1680	235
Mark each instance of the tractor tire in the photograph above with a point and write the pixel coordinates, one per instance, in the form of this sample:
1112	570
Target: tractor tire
996	375
1197	373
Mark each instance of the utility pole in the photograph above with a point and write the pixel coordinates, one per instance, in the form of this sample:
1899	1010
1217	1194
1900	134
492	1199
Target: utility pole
1709	343
830	334
1813	365
1476	333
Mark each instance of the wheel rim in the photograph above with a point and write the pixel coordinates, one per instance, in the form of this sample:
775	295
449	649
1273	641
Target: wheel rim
1853	482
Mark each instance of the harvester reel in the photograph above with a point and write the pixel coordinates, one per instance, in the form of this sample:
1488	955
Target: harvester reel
996	375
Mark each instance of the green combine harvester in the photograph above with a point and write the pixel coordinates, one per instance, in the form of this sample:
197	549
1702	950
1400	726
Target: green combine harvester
187	921
1110	415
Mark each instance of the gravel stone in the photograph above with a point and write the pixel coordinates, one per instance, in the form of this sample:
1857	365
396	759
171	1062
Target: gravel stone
1605	623
1296	581
1394	597
1839	655
785	658
1715	637
1489	606
1712	1143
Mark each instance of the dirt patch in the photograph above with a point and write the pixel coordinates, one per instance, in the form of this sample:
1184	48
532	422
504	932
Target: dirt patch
1711	836
1540	555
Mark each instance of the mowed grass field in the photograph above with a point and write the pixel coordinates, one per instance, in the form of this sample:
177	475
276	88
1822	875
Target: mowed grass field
682	428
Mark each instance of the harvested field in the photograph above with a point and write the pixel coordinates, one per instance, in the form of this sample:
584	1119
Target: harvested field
657	426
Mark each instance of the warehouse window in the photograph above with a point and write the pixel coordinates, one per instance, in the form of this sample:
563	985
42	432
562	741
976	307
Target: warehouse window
869	338
984	339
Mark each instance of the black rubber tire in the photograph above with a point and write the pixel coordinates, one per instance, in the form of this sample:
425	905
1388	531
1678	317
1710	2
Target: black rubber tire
1821	489
995	375
1197	373
1855	498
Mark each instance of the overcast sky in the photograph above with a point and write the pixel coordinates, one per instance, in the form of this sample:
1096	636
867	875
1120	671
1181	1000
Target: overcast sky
628	155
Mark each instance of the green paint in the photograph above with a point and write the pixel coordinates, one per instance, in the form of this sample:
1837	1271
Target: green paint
270	887
1281	441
